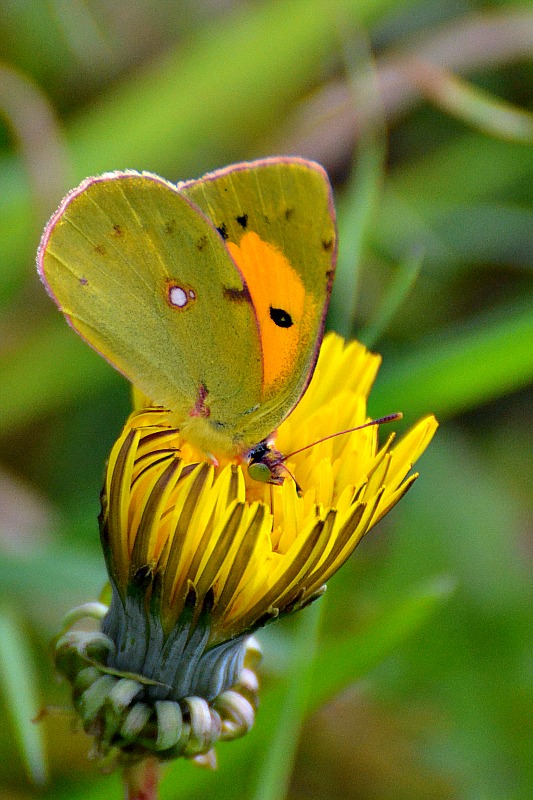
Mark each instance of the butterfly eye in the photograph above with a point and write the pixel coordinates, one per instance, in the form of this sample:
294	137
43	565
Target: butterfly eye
259	472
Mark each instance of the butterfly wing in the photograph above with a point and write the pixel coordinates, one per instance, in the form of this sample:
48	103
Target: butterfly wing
278	221
146	279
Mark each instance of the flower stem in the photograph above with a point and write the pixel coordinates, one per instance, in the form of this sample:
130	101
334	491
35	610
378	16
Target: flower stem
141	780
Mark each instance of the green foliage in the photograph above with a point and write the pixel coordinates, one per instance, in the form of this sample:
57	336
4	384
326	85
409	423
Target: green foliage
17	676
390	687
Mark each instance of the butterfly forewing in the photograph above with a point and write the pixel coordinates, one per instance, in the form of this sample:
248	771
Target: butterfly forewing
277	219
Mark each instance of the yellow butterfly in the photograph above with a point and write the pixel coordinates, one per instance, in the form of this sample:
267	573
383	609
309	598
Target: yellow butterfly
210	296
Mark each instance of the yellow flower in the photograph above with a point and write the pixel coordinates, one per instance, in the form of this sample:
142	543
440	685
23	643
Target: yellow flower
199	556
258	548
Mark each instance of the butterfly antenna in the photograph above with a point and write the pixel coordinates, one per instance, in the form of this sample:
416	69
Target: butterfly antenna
289	473
380	421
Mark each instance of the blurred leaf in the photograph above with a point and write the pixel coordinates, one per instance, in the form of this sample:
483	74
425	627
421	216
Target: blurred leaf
189	98
106	787
359	201
18	679
435	201
466	168
461	368
355	216
471	669
28	23
36	130
482	233
51	368
469	103
347	661
180	116
480	545
398	289
454	234
34	579
278	755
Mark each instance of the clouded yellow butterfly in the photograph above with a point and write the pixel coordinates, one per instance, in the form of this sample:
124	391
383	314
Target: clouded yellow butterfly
210	295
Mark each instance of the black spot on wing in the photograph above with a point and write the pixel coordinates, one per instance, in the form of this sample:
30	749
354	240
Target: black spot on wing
223	231
242	220
281	318
171	227
100	249
237	295
83	282
118	231
289	214
201	243
327	244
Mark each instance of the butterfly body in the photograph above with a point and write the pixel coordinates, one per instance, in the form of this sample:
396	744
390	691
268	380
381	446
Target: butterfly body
210	296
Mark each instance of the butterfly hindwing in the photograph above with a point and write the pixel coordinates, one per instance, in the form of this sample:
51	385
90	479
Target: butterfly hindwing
115	255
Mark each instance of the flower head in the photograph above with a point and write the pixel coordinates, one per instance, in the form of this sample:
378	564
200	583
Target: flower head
199	556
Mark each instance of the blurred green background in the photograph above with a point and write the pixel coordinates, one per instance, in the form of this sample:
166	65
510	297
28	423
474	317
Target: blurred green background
414	677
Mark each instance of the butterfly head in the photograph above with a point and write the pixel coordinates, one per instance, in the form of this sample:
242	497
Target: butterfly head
265	463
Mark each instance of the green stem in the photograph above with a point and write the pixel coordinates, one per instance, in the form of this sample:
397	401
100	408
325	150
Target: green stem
141	780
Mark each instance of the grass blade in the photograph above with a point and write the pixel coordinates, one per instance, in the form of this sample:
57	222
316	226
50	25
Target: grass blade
397	291
471	364
354	219
19	682
275	771
354	657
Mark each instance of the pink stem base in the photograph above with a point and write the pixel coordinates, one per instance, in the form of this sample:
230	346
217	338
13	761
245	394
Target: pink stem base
141	780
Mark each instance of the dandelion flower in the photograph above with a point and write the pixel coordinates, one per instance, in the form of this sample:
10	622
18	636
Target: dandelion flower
200	556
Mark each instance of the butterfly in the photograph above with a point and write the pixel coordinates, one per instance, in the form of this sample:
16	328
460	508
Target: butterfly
209	295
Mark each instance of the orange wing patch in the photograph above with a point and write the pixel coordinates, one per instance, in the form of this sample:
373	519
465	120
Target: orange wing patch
284	312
